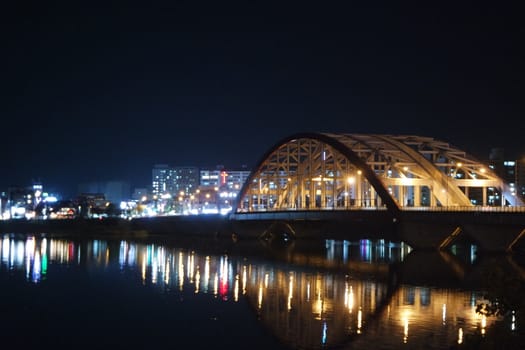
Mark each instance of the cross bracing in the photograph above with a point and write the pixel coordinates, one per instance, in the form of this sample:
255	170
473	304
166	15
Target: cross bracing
369	171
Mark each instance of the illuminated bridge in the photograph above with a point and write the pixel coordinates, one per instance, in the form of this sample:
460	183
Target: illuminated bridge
350	178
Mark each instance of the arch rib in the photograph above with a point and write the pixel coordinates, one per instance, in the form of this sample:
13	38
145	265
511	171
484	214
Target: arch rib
340	147
352	171
440	179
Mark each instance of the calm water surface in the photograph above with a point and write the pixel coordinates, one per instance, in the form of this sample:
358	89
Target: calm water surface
59	292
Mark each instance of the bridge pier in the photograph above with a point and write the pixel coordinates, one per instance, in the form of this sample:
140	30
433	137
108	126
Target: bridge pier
490	232
494	238
420	235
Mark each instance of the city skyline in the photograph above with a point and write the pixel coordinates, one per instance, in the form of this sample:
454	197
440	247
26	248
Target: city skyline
496	159
100	93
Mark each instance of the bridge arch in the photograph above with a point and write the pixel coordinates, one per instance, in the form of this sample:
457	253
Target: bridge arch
319	171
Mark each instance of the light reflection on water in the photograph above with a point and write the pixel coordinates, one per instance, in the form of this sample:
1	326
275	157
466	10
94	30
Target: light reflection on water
348	294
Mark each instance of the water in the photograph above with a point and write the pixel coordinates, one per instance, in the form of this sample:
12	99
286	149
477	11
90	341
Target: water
60	292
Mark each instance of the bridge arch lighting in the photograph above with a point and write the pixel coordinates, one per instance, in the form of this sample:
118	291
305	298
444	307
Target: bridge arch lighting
327	171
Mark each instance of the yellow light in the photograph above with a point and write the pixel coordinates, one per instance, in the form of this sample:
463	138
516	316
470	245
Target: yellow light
260	296
197	280
359	320
405	329
236	288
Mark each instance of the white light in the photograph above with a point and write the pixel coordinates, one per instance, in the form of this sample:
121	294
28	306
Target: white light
50	199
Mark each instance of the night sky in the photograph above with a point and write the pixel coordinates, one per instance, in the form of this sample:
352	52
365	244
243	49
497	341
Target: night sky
96	93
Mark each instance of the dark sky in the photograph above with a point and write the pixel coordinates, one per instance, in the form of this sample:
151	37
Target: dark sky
105	92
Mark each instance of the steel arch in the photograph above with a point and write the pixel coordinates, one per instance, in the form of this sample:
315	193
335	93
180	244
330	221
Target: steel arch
356	171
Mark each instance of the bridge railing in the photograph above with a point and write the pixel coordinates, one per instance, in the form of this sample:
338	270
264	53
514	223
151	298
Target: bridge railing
310	209
506	209
499	209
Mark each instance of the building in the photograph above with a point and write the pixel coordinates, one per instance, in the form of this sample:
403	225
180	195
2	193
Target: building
191	189
231	179
174	180
185	180
161	181
209	178
220	187
510	170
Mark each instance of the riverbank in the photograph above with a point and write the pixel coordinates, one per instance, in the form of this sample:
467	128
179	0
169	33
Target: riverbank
206	226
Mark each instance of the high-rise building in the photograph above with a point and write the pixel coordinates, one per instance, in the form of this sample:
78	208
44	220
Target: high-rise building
232	179
510	170
185	179
209	178
161	181
174	179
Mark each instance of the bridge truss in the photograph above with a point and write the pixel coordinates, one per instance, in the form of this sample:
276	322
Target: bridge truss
366	171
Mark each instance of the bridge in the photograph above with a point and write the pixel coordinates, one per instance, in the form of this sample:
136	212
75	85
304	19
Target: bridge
417	189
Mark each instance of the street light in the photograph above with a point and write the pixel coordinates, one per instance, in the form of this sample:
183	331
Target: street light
350	181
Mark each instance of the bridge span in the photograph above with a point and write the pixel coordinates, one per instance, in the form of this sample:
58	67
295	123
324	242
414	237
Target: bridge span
491	231
423	191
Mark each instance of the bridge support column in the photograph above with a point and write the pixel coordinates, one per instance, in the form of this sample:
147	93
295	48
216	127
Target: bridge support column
428	235
494	238
432	197
358	191
401	199
417	196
